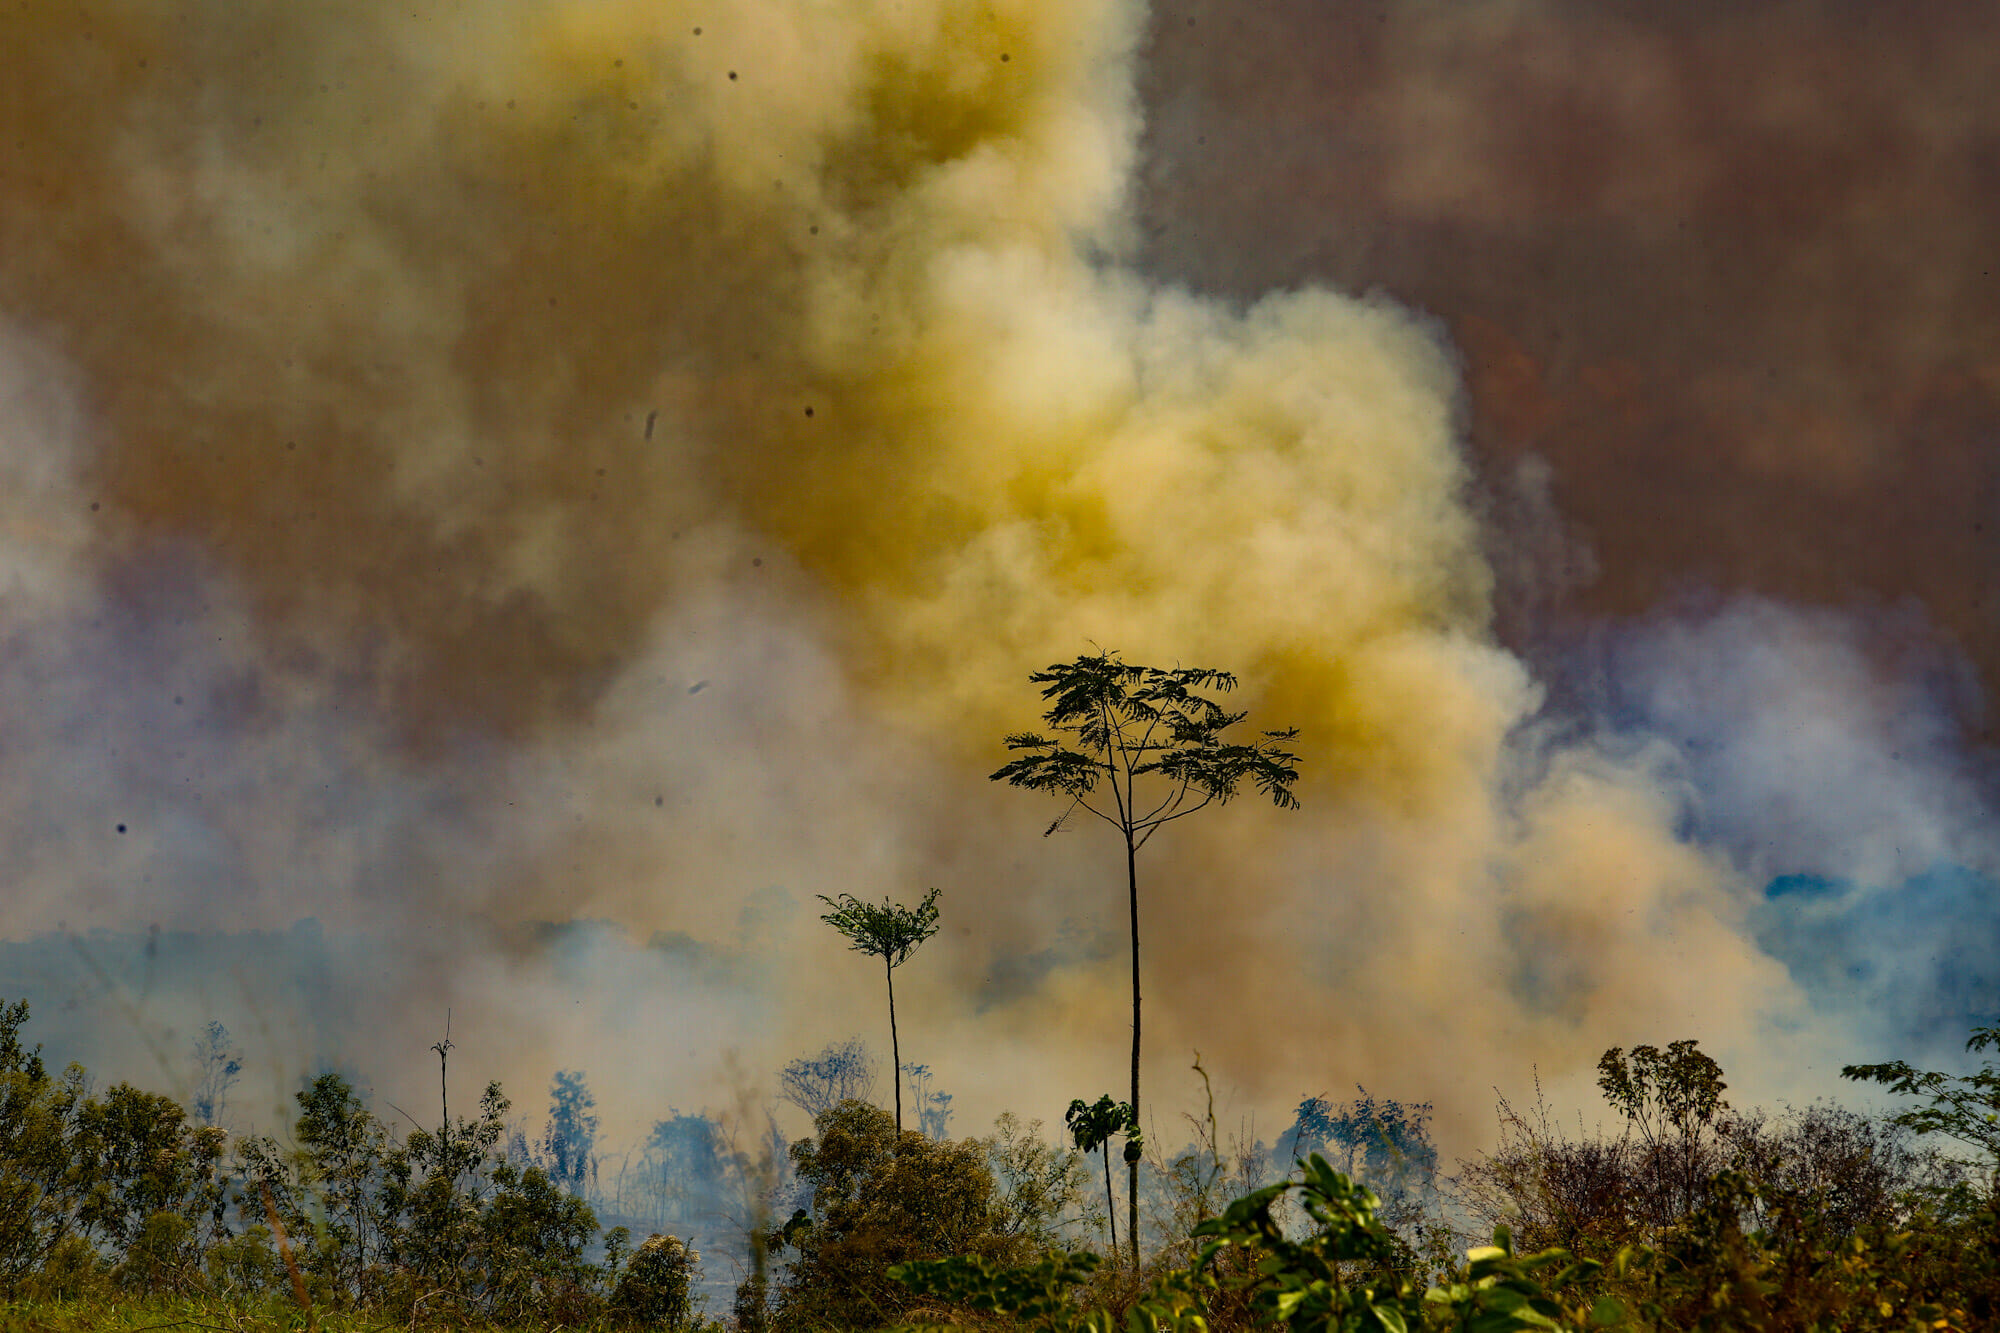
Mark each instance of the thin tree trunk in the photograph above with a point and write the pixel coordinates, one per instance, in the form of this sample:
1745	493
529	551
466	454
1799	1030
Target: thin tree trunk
1110	1203
1132	1167
895	1056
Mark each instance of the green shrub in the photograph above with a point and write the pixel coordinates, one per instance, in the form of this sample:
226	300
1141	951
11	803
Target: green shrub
45	1180
882	1198
162	1258
72	1271
656	1287
1343	1273
245	1266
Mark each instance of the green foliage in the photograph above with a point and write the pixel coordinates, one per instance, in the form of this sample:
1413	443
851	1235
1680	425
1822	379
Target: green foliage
1817	1219
1721	1271
14	1057
117	1213
121	1190
1130	721
889	931
1091	1126
1041	1184
656	1288
530	1251
1965	1107
881	1197
1345	1274
342	1147
1040	1295
46	1179
148	1161
1500	1291
430	1203
751	1308
245	1265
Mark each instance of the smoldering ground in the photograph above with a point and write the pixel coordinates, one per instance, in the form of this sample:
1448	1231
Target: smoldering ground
479	469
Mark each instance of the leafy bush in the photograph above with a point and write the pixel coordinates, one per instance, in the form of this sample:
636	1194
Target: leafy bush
121	1189
245	1265
882	1198
1042	1186
655	1289
1345	1272
45	1181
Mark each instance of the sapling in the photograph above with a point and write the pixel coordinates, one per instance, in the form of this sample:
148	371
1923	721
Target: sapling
890	932
1091	1126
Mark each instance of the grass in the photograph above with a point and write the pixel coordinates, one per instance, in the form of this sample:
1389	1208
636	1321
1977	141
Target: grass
135	1315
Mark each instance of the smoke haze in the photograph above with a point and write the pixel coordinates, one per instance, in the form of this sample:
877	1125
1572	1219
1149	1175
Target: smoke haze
543	490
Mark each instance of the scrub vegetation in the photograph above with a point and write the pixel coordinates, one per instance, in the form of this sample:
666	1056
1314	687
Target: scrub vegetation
119	1209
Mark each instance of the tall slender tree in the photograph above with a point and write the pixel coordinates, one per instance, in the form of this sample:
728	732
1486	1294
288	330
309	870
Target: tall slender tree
1140	747
891	932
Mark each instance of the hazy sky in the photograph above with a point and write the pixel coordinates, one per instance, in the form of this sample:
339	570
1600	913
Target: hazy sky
542	490
1727	269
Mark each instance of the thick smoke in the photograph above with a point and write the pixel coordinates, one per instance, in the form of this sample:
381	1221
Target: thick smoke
1725	267
497	468
1826	758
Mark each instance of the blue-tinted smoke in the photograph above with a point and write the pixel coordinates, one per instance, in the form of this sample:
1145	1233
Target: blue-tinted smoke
1826	755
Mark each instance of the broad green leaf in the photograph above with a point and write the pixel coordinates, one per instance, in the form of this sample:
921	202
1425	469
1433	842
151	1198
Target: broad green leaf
1390	1318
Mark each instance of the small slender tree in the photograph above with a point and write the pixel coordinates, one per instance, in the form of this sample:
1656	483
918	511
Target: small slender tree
890	932
1147	736
1091	1126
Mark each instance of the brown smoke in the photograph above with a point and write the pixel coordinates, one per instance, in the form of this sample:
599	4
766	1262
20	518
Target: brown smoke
1724	268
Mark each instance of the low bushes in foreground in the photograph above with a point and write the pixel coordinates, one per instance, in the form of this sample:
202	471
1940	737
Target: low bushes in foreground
116	1213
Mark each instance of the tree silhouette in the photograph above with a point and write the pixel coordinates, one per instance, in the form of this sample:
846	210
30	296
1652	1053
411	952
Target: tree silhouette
1129	723
1090	1128
891	932
218	1066
571	1134
842	1072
